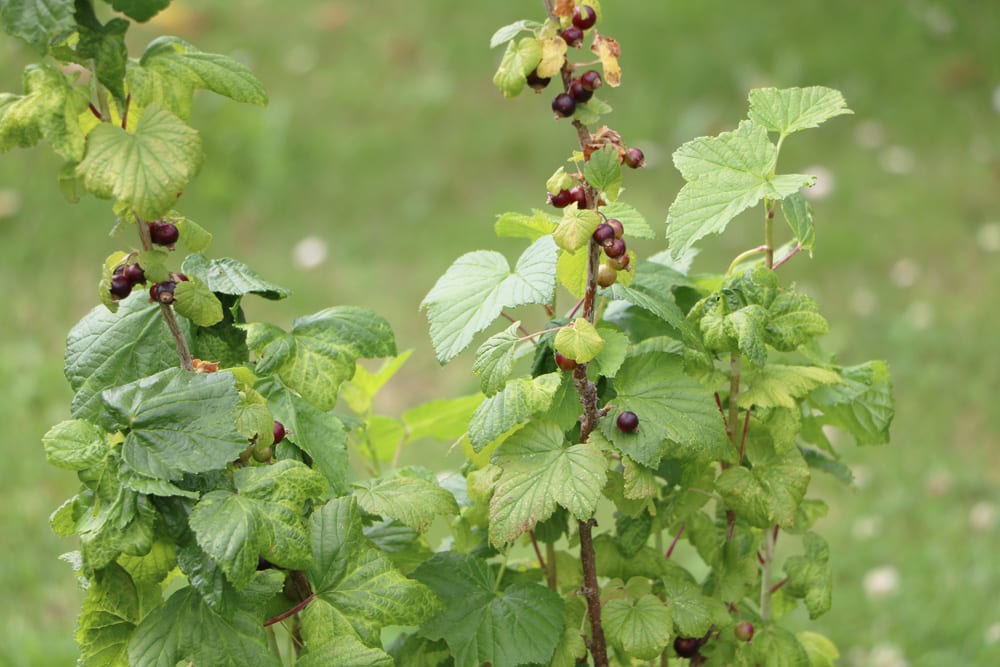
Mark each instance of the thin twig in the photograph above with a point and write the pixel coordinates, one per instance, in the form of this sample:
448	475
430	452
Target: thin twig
670	549
291	612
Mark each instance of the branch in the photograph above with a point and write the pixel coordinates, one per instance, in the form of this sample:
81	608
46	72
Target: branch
183	351
598	645
291	612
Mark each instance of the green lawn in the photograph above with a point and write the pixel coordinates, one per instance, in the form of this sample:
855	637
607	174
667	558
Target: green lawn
386	140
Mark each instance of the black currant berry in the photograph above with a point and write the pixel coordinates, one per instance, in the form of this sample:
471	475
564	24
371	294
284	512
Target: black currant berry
564	105
564	362
620	262
263	564
536	82
743	631
163	292
628	422
591	80
604	233
634	158
584	17
279	431
573	35
579	92
579	195
615	248
687	647
119	270
606	276
135	274
163	233
121	286
616	225
561	199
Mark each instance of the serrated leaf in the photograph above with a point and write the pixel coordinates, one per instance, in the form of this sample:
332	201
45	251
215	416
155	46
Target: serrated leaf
412	501
571	270
195	301
37	22
186	628
75	444
512	30
114	606
518	60
195	237
519	225
344	651
608	50
104	44
821	651
793	321
768	494
633	222
146	169
170	70
777	385
672	408
590	113
774	646
553	56
580	340
150	410
810	577
798	214
576	228
519	400
540	472
863	406
522	624
789	110
49	109
495	359
726	175
640	627
478	286
612	354
229	276
444	419
603	172
140	10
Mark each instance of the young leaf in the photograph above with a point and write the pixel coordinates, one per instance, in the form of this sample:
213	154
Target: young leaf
114	606
603	172
810	577
612	353
445	419
576	228
822	652
518	60
579	341
553	56
798	214
38	22
776	647
519	225
519	400
147	169
769	493
864	406
509	32
229	276
777	385
412	501
792	109
478	286
793	320
522	624
105	45
726	175
49	109
633	222
140	10
495	360
539	472
359	393
571	270
641	627
75	444
195	301
150	410
693	613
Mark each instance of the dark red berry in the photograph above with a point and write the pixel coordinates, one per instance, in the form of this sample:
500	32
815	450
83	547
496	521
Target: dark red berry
536	82
687	647
628	422
743	631
279	431
584	17
135	274
121	286
564	362
591	80
616	225
615	249
579	92
634	158
561	199
620	262
579	194
163	292
264	564
564	105
606	276
181	277
604	233
163	233
573	35
119	270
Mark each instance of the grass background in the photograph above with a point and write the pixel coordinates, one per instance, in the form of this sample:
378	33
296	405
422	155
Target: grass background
386	141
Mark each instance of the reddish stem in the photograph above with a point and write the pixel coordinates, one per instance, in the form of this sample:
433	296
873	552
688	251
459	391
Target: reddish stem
773	589
94	111
538	552
291	612
795	251
670	549
722	410
743	438
128	103
598	645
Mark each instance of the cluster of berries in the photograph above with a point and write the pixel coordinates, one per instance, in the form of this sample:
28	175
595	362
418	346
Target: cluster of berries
609	236
127	276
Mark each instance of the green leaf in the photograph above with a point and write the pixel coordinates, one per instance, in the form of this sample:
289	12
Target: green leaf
114	606
798	214
579	340
603	172
864	406
186	628
194	237
50	109
147	169
576	228
793	321
792	109
478	286
773	646
170	70
38	22
810	577
359	393
414	651
612	353
344	651
519	225
571	271
693	613
519	400
510	31
320	352
195	301
105	45
229	276
522	624
444	419
540	472
822	652
412	501
675	412
768	494
726	175
518	60
75	445
641	627
777	385
495	359
140	10
633	222
151	409
355	581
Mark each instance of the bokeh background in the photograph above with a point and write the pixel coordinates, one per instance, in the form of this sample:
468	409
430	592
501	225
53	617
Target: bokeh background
386	152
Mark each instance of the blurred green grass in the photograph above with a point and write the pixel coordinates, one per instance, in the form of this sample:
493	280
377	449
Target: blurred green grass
386	140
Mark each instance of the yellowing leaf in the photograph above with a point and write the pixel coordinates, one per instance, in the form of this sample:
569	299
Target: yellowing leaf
580	341
553	56
576	228
608	50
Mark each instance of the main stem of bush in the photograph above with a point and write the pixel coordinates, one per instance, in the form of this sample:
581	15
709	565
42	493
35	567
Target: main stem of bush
180	342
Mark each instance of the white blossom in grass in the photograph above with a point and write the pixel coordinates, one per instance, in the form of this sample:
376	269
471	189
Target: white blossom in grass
887	655
866	527
988	237
898	160
938	484
10	203
864	302
824	183
921	315
904	273
881	582
869	134
310	252
992	634
982	516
